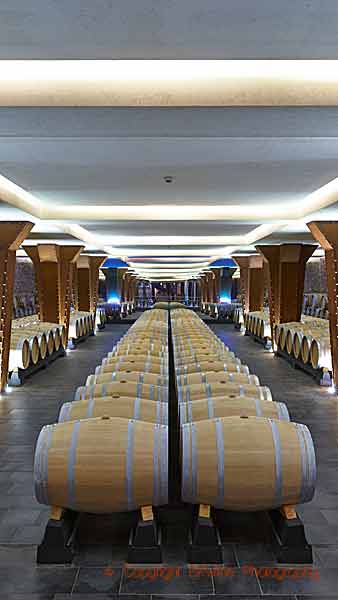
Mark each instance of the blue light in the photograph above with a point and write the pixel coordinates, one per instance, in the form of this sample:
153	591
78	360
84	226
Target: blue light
225	300
114	300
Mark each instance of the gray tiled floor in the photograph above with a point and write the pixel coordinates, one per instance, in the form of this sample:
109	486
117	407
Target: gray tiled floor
98	571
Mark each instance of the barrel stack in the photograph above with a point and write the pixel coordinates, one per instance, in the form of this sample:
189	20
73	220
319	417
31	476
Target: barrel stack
34	341
239	450
109	451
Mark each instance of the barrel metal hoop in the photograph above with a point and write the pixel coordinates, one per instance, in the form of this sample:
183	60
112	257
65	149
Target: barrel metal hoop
114	376
278	462
71	465
137	407
165	413
156	471
211	412
139	389
78	394
283	412
193	461
129	465
186	489
258	407
308	462
103	390
208	391
164	465
90	407
220	462
41	464
65	412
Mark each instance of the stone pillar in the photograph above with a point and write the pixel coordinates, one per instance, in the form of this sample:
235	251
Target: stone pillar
87	279
286	286
326	233
54	272
12	234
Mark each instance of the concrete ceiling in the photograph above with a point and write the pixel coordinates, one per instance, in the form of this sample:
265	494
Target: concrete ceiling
105	159
158	29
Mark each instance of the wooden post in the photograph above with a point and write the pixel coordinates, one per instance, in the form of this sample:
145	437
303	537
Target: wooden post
54	270
243	263
287	272
256	283
326	233
12	234
87	268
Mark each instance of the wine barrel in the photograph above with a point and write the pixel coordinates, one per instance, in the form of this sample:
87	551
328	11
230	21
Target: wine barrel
33	344
123	388
34	332
201	358
102	465
297	343
216	366
305	349
229	407
247	463
127	408
123	364
211	377
282	337
222	388
19	354
127	376
320	353
130	356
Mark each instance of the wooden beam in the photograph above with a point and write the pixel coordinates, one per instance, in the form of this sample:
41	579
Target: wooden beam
326	233
87	273
243	263
12	234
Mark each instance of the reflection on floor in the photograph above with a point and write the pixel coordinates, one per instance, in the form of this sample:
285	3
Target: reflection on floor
98	571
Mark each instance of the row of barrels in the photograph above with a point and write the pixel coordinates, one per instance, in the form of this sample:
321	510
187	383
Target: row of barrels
239	450
81	323
109	450
307	341
316	304
33	340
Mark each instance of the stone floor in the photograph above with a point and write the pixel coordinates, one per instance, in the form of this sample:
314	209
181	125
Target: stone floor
99	571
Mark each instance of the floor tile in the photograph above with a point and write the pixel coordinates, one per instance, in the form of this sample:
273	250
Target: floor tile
97	580
166	580
231	580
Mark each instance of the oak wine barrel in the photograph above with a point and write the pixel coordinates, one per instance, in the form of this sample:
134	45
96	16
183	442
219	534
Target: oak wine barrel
102	465
247	463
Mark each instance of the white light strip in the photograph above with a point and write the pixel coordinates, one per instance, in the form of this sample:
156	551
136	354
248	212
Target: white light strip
168	83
